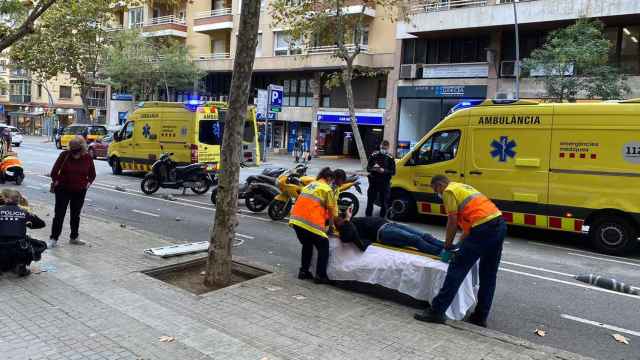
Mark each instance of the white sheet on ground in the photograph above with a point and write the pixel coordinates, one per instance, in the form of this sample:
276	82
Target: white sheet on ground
418	276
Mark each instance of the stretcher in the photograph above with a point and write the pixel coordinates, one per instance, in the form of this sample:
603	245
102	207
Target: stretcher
408	272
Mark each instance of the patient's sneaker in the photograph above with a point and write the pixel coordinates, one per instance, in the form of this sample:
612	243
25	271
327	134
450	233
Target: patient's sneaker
305	275
51	243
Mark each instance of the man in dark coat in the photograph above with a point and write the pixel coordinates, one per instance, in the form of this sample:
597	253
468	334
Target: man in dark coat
381	168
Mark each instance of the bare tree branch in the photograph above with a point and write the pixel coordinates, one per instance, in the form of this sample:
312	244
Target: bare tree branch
27	26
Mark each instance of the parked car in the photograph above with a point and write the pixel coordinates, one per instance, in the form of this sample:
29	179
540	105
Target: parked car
100	147
16	134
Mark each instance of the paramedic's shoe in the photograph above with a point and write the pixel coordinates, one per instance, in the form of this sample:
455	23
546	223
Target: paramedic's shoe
476	320
429	316
305	275
22	270
76	241
323	280
51	243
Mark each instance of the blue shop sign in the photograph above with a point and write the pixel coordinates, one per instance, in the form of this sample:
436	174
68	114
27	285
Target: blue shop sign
342	118
121	97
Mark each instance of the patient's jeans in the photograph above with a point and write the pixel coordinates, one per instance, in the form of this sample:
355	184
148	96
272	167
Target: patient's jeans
402	235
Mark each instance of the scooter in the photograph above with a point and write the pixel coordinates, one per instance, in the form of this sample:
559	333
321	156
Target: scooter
261	193
268	176
166	174
291	187
11	170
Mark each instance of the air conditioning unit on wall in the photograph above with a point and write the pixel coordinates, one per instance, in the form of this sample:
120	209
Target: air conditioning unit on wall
508	68
409	71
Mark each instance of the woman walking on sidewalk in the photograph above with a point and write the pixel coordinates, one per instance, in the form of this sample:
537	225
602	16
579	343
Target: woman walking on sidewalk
71	176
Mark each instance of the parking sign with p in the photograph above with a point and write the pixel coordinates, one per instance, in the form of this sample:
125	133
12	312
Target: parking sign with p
276	94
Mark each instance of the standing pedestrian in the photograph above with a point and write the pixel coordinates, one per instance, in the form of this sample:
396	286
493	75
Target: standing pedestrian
71	176
482	238
298	149
5	134
381	168
313	212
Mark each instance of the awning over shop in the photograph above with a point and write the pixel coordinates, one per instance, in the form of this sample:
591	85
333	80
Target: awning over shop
26	113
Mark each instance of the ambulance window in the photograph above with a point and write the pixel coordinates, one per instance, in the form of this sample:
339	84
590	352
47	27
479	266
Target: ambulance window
210	132
127	133
441	146
248	133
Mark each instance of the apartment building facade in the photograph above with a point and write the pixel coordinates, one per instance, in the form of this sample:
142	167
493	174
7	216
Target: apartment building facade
454	50
36	107
210	28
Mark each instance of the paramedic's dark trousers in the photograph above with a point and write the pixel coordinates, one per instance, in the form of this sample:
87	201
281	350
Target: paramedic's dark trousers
378	190
484	243
308	241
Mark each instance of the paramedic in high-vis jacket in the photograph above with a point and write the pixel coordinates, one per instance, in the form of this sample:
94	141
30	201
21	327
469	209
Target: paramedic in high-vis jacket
482	238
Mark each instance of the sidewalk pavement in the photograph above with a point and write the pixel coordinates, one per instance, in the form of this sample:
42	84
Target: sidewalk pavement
94	303
347	164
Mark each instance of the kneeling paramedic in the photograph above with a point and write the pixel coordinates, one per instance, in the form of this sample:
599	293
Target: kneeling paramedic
16	250
313	212
483	235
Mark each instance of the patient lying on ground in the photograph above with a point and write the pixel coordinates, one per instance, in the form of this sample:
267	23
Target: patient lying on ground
362	231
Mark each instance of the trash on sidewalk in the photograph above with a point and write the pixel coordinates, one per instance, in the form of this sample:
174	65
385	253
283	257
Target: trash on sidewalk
179	249
165	338
621	339
273	288
299	297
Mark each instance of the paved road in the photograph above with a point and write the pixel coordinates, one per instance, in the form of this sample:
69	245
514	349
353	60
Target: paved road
535	290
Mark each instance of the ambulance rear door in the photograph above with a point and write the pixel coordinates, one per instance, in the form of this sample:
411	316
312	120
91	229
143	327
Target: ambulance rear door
509	158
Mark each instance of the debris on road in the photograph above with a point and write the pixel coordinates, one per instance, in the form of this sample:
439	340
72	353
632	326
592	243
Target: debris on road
123	226
607	283
169	197
540	333
299	297
621	339
273	288
179	249
167	339
120	188
179	219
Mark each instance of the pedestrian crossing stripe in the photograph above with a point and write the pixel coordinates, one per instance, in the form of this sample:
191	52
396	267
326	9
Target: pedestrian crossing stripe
517	218
135	166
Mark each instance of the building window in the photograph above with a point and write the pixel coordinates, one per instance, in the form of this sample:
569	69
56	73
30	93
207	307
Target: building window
39	91
97	97
65	92
259	46
20	91
136	17
3	65
283	44
445	51
382	94
630	50
298	93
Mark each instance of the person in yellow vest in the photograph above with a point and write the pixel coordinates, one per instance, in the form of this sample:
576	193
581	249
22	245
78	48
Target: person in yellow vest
483	232
311	216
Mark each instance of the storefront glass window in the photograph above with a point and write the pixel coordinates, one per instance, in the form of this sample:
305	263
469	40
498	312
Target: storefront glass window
417	117
630	50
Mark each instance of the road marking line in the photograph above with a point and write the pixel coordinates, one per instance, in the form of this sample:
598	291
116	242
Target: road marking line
605	259
599	324
145	213
538	268
245	236
574	250
570	283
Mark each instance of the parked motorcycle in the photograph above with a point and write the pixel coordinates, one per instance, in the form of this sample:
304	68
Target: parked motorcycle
268	176
291	187
261	193
166	174
11	170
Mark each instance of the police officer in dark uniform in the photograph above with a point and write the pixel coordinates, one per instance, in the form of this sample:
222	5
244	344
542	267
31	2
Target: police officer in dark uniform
16	250
381	168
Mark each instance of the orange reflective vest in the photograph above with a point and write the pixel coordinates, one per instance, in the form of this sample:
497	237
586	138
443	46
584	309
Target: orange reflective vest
473	208
311	210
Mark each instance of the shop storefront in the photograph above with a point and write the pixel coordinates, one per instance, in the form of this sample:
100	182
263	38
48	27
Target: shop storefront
335	135
423	107
30	122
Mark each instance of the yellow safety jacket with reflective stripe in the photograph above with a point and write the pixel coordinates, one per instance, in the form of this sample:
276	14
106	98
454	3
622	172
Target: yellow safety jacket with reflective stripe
312	208
472	207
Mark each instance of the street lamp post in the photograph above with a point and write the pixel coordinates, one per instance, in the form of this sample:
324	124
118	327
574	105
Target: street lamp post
515	18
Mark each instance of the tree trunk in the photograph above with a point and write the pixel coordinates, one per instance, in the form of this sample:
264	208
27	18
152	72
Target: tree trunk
218	270
85	107
347	75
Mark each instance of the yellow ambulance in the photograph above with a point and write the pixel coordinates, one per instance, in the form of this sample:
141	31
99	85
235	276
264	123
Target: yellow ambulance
567	167
193	133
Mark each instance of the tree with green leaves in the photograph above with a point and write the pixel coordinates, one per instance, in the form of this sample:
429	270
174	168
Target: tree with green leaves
71	38
19	19
336	25
218	270
574	61
142	66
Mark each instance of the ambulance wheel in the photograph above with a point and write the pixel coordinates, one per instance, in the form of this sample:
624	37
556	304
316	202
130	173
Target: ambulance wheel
116	167
403	207
614	235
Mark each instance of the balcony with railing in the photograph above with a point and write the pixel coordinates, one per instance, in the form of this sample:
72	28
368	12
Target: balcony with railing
212	20
170	25
439	15
19	99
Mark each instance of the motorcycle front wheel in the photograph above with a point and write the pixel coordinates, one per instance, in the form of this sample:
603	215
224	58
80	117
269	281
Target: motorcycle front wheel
149	184
278	210
255	203
202	186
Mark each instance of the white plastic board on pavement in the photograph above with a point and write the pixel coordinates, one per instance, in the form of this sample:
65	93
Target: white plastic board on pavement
180	249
